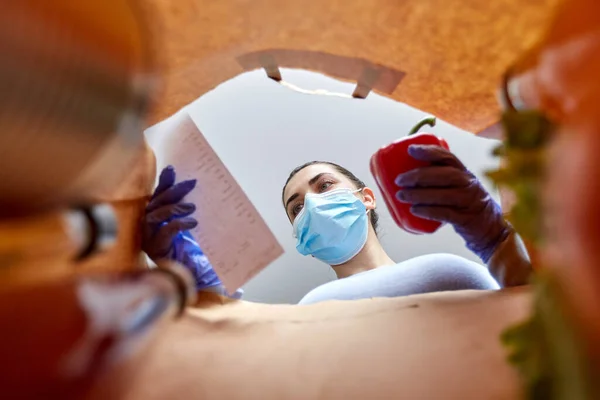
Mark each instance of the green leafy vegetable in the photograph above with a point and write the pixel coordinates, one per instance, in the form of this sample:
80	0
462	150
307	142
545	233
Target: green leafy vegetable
545	349
527	134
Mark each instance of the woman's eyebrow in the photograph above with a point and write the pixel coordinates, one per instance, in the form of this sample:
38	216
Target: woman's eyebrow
315	178
292	198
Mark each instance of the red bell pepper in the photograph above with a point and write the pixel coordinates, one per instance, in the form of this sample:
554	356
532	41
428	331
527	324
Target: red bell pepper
392	160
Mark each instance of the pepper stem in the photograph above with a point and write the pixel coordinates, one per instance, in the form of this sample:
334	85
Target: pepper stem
427	121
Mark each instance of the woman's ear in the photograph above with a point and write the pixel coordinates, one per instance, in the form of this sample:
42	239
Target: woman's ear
369	198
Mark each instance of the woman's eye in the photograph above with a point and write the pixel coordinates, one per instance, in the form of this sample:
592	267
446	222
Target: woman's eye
324	186
297	208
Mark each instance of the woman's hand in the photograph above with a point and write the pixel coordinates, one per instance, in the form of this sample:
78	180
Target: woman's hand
447	192
166	233
166	215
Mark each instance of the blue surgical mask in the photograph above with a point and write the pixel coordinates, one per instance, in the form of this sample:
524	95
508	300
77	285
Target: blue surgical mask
332	226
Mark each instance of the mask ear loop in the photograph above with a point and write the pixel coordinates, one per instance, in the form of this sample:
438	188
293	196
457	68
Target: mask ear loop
360	190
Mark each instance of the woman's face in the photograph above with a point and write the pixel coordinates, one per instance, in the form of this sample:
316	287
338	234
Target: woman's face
318	178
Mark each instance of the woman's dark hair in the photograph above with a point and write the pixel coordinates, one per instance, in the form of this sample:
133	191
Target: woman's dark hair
374	217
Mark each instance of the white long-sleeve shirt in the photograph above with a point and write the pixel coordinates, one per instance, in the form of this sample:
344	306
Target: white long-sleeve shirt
509	266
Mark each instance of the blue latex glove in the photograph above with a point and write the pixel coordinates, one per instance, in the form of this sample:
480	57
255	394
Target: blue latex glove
165	231
447	192
187	252
166	215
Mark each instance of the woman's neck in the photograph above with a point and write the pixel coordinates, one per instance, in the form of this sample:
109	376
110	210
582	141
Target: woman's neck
370	257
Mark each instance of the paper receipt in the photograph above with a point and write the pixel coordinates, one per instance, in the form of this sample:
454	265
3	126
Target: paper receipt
230	231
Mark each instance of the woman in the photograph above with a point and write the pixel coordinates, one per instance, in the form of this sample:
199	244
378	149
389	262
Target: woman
334	220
